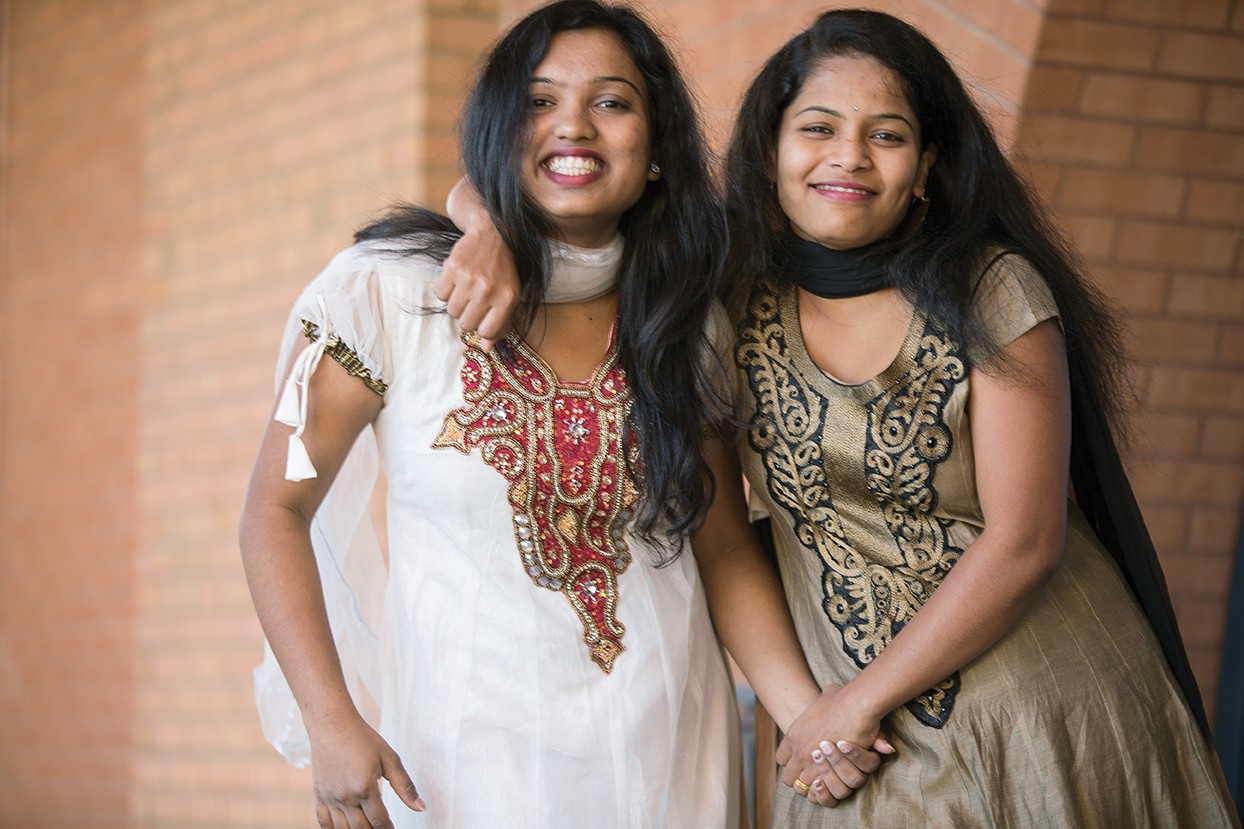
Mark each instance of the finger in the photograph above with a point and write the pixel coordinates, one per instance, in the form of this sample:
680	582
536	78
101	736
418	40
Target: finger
322	816
374	814
783	754
843	768
820	795
358	818
835	786
882	746
865	761
338	818
444	285
470	317
456	304
393	770
496	323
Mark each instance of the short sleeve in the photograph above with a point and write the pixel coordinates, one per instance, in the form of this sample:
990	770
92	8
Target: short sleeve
339	315
1011	298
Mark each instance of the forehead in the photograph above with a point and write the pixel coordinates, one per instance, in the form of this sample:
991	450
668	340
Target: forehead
582	56
853	80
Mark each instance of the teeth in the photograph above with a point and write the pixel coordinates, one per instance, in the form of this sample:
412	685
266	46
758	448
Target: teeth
572	165
837	189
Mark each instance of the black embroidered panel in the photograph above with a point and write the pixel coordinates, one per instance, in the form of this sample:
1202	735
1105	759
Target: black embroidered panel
867	601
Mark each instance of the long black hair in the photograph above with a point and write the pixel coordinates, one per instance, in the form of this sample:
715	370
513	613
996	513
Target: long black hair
672	261
977	202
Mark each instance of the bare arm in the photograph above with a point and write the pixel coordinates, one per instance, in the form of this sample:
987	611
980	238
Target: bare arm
479	282
1021	434
348	756
752	620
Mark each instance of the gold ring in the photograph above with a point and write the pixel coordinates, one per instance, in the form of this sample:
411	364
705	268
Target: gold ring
802	787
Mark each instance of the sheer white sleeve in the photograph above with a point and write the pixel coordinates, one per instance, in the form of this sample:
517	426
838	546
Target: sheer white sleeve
339	315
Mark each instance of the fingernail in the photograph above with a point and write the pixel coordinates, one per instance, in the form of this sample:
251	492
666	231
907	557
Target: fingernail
419	804
818	756
817	785
827	747
886	743
844	746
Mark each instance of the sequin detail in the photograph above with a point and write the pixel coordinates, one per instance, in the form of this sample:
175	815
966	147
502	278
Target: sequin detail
346	357
561	448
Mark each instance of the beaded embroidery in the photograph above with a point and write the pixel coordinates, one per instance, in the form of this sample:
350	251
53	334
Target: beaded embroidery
560	447
347	358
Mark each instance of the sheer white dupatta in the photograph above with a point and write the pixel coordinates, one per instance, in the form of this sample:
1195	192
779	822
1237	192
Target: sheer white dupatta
343	305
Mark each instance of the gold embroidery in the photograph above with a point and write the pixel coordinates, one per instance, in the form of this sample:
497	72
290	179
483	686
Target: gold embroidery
346	357
867	601
563	450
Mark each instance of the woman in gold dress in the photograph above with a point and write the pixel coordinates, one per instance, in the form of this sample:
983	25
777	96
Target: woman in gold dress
923	363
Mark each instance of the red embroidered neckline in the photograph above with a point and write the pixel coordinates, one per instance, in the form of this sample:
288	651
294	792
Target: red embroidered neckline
561	447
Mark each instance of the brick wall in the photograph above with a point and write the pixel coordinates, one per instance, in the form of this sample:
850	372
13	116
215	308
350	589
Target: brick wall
1134	129
169	187
70	367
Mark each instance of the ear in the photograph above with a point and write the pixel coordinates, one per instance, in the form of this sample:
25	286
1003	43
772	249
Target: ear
922	173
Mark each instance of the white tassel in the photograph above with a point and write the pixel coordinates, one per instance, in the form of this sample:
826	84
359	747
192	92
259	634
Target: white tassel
296	398
298	466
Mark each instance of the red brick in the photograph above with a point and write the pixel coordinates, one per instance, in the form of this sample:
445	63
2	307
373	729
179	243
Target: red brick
1201	621
1169	434
1021	27
1210	14
1142	97
1216	202
1122	192
1064	138
1206	152
1168	526
1223	437
1215	530
1134	289
1082	42
1053	89
1152	243
1231	348
1167	341
1225	109
1207	296
1046	179
1207	56
1093	235
1217	391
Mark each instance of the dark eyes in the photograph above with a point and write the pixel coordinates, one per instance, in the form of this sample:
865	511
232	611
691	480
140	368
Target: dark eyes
539	102
884	136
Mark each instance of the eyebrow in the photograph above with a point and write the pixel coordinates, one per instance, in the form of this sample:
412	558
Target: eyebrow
603	79
881	116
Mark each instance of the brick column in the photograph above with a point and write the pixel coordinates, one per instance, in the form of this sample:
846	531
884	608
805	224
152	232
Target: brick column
1134	129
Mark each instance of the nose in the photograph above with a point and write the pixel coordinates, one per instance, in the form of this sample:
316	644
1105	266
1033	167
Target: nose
574	123
849	153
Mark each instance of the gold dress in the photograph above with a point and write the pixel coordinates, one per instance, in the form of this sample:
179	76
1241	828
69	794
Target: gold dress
1072	719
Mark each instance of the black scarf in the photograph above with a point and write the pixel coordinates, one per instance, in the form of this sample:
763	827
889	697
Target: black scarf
834	274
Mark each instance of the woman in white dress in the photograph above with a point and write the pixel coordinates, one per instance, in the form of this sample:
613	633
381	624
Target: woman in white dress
520	658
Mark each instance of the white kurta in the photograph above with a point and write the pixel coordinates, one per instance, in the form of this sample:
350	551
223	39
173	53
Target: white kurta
486	687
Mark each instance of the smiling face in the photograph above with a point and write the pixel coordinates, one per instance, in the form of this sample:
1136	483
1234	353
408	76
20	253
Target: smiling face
587	162
848	153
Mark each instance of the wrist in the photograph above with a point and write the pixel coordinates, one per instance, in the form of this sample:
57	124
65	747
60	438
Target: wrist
790	705
857	701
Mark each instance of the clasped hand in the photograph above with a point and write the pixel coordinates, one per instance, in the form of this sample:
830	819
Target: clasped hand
821	754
